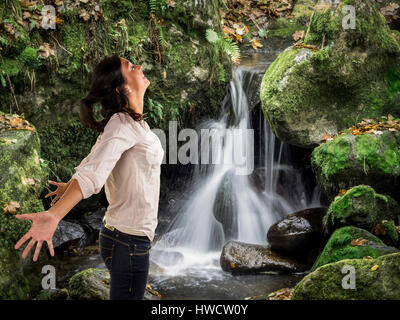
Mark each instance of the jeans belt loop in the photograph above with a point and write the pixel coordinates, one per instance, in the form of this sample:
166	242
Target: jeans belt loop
109	227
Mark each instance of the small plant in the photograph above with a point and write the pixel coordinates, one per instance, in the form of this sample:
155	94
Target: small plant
263	33
155	110
225	43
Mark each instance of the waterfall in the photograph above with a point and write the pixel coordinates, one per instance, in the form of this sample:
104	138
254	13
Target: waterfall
225	205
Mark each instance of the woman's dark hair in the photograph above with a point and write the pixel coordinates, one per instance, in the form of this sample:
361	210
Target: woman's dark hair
105	78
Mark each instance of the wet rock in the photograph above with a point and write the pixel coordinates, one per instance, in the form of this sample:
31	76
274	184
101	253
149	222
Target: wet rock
352	243
166	257
299	233
376	279
69	233
239	257
225	206
361	207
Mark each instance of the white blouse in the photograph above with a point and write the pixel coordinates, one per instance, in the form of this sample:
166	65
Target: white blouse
126	158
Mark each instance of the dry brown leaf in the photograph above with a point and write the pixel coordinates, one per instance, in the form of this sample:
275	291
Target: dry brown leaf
358	242
11	207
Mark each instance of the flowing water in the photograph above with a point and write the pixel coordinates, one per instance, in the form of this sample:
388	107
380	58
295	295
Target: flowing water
227	203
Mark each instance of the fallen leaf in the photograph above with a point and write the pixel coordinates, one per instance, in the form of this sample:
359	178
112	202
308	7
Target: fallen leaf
375	267
358	242
11	207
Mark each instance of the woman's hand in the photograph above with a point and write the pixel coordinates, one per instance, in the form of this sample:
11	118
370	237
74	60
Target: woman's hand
44	224
61	187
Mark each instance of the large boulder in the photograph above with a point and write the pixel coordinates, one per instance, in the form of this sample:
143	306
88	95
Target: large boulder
306	93
21	182
352	243
350	160
374	279
239	258
361	207
299	233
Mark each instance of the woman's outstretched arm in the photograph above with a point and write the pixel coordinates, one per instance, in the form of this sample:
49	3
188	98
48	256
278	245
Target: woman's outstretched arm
45	223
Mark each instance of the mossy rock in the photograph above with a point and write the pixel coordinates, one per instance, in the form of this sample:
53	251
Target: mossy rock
350	160
22	180
307	93
89	284
339	246
375	279
361	207
94	284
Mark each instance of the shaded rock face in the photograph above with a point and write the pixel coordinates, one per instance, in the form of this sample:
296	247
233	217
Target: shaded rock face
350	160
348	78
352	243
299	233
361	207
94	284
94	221
68	233
375	279
238	258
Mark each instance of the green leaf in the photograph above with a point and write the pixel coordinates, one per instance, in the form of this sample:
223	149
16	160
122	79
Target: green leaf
3	81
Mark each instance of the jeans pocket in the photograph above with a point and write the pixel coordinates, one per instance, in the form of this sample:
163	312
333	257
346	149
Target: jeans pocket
106	251
140	249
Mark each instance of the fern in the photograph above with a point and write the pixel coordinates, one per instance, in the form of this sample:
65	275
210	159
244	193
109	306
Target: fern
155	110
225	43
153	5
161	38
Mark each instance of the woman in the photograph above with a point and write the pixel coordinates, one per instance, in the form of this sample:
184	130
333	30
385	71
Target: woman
126	158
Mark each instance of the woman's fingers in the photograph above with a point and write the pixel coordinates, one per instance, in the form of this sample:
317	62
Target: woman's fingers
50	245
37	251
22	240
49	194
54	201
53	182
28	248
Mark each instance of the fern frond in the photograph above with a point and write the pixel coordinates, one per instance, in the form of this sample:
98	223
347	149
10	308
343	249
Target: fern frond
153	6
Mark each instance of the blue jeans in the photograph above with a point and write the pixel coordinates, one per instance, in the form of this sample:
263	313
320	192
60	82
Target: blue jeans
127	259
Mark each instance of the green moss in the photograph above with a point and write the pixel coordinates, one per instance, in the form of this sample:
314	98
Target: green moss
360	206
331	158
326	283
348	160
339	246
282	27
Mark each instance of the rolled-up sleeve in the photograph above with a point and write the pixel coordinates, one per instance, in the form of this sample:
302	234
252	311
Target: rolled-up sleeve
118	136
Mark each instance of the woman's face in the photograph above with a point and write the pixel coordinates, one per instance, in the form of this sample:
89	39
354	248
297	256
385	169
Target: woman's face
134	77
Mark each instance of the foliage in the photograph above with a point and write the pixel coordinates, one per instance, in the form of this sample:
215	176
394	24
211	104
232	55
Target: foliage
224	43
155	110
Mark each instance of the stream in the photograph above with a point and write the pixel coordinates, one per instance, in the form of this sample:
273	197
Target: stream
221	205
